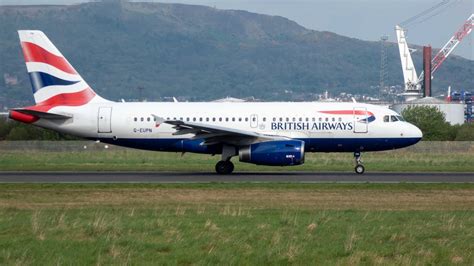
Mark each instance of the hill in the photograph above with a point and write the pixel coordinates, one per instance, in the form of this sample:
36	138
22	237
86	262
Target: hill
198	51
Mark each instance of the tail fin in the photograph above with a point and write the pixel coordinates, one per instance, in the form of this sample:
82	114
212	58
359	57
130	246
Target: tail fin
54	81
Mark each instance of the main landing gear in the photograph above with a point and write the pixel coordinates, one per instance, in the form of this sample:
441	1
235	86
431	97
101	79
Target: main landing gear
225	166
359	169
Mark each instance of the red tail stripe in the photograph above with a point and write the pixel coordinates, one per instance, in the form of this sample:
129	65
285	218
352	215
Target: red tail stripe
347	112
65	99
35	53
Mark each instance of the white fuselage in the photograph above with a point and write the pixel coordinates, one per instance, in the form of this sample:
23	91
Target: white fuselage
317	123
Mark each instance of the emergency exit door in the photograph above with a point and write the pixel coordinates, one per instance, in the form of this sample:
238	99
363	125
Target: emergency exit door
253	121
105	120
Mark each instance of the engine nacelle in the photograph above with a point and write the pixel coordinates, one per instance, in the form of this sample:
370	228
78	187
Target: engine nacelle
275	153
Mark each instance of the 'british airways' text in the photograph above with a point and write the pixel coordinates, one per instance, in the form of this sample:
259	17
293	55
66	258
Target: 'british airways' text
318	126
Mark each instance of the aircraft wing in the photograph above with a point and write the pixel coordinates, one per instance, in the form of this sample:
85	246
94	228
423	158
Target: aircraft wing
213	134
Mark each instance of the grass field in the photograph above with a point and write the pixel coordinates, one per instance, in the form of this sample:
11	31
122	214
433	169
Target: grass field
237	224
72	157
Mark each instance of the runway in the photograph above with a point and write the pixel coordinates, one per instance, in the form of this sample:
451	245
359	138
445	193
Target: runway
268	177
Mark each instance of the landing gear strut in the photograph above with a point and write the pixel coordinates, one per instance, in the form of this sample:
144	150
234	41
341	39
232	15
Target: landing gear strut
224	167
359	169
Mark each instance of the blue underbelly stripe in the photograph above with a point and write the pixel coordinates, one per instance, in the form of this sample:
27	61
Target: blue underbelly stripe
311	145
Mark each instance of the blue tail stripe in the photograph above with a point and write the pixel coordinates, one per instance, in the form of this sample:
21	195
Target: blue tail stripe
40	80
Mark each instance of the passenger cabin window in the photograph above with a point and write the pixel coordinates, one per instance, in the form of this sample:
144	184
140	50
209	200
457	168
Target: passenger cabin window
246	119
148	119
135	119
264	119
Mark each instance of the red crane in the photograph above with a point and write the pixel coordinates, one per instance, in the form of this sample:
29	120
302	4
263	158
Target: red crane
439	58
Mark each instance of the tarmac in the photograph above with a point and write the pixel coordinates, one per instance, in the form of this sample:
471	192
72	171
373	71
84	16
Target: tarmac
242	177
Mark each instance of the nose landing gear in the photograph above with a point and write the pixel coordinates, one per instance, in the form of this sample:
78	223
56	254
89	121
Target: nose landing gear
359	169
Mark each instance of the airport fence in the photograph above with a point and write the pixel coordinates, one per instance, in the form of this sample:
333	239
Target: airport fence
60	146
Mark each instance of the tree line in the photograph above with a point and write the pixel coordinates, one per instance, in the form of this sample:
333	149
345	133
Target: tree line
12	130
432	123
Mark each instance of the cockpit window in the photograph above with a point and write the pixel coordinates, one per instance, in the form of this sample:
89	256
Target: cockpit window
401	118
393	118
386	118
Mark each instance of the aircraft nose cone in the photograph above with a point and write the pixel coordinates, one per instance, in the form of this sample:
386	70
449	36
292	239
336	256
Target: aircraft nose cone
415	132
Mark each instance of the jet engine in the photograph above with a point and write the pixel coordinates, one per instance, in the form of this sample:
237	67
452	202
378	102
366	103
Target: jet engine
275	153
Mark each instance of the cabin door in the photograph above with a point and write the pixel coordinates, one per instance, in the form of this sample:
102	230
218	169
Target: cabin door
361	123
104	119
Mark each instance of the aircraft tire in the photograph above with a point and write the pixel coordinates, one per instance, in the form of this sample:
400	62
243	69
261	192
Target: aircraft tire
224	167
359	169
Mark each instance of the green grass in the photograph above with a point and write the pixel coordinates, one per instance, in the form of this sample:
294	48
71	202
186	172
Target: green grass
136	160
236	224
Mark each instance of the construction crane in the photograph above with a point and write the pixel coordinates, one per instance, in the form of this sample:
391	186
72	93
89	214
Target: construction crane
439	58
410	78
411	81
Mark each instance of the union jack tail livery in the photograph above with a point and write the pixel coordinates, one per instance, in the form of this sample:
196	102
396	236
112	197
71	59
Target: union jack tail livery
54	80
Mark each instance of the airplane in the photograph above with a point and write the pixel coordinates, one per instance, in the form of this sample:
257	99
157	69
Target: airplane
261	133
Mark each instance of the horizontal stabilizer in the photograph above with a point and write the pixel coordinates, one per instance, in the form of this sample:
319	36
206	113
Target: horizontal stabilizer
41	114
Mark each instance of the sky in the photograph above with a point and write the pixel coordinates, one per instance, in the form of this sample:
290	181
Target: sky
362	19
